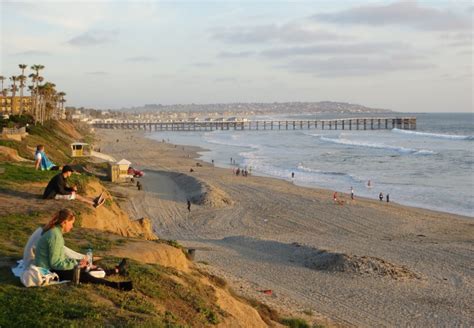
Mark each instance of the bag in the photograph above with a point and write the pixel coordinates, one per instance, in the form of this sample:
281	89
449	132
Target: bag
34	276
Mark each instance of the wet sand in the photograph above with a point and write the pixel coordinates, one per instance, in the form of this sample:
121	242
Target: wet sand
364	263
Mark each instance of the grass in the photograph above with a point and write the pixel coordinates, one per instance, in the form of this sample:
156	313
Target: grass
162	297
24	173
15	229
295	323
80	181
191	304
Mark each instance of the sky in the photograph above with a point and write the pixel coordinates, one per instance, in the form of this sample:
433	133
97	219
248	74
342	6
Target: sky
408	56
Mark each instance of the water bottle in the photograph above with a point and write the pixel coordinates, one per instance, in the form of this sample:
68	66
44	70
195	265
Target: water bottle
89	258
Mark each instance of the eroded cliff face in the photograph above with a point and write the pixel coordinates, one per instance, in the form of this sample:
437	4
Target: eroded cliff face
110	217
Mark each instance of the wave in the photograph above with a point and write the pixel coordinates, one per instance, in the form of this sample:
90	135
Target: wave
401	150
434	135
302	168
213	138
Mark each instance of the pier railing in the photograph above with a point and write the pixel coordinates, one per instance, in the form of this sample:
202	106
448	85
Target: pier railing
364	123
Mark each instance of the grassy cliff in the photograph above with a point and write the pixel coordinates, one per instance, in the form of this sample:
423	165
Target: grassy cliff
168	290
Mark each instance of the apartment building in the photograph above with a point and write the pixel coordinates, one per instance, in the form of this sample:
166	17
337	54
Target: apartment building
12	105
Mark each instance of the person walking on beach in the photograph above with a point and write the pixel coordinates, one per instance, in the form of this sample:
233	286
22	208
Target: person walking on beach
381	196
334	197
352	193
388	198
292	175
189	205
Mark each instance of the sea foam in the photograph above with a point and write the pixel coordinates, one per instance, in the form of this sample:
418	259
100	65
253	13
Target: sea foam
401	150
434	135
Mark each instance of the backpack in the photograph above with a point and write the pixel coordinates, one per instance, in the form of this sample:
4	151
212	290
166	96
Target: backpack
34	276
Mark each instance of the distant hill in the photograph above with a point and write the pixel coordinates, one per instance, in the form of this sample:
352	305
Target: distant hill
260	108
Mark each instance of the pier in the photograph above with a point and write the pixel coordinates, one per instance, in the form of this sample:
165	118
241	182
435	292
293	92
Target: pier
367	123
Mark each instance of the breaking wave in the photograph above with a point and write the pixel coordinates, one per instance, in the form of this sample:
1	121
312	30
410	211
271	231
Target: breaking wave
401	150
434	135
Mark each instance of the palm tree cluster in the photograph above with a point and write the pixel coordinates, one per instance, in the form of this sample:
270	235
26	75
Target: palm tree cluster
46	103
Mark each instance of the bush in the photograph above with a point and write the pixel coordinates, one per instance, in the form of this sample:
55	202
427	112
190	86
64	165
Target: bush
295	323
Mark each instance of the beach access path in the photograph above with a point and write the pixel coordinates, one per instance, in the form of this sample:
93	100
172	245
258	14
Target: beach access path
364	263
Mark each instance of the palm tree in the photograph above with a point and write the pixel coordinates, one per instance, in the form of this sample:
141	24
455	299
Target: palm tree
22	79
61	104
13	78
2	79
36	79
47	101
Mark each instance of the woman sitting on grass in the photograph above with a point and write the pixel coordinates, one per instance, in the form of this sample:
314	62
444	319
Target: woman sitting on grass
42	161
50	254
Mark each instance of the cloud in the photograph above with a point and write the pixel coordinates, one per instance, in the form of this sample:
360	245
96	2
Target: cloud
465	53
226	80
98	73
291	32
92	38
142	59
353	66
407	13
33	53
202	64
459	39
74	15
335	49
241	54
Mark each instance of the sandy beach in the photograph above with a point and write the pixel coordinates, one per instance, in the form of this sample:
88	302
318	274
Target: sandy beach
364	263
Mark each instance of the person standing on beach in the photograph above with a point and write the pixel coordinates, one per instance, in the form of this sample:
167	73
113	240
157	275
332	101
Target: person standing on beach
352	193
388	198
292	175
189	205
381	196
334	197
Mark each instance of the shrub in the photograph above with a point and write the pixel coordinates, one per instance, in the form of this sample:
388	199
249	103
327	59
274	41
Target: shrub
295	323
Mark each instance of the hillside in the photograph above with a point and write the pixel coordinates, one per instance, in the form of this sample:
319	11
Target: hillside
169	291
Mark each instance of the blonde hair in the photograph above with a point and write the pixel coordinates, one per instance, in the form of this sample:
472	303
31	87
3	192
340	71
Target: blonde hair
63	215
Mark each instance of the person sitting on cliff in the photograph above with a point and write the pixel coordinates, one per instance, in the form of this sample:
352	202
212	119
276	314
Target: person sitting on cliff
29	255
50	254
57	188
42	161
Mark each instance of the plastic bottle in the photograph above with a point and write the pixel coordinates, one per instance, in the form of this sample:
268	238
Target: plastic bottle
89	257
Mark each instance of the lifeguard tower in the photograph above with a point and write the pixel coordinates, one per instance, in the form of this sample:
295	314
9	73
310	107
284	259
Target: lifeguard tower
119	171
80	149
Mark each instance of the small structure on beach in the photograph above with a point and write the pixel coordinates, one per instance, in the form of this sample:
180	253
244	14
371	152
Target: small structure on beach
80	149
119	170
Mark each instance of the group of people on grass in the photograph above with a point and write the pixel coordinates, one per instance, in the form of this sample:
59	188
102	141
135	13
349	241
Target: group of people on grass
46	249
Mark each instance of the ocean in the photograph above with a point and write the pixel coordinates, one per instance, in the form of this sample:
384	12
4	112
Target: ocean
430	167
